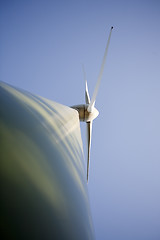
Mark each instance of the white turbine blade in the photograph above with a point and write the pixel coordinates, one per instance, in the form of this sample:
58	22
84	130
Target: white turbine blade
87	98
100	74
89	136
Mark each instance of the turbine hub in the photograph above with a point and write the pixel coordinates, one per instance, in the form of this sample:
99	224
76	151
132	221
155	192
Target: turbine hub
84	115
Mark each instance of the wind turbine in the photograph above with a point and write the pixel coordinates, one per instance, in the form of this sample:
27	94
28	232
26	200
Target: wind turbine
87	112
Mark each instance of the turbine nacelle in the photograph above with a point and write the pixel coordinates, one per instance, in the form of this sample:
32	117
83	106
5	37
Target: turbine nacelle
84	114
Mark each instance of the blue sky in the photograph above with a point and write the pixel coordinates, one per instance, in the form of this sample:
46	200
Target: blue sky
42	47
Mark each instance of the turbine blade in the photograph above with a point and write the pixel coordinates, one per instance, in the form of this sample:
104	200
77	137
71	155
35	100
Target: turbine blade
87	98
89	136
100	75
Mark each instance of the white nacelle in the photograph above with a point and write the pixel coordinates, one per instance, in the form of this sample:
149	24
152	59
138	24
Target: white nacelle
84	115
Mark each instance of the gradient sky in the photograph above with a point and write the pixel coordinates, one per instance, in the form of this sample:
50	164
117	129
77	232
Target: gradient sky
42	47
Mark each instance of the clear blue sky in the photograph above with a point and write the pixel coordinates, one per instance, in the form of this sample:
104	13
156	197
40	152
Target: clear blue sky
42	47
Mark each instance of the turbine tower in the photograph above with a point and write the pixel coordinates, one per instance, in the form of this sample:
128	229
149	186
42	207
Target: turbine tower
88	112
